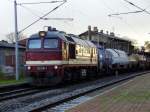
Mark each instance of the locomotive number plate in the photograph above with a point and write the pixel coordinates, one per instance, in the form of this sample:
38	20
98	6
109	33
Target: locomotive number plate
41	68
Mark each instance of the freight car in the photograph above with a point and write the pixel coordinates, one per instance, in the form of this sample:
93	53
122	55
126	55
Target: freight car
140	61
112	60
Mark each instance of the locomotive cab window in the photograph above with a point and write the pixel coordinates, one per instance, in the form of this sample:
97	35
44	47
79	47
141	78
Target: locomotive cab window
50	43
34	44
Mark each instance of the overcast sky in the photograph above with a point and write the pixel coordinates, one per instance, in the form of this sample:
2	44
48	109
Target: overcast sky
84	13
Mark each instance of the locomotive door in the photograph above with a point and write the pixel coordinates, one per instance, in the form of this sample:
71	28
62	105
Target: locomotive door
72	51
65	51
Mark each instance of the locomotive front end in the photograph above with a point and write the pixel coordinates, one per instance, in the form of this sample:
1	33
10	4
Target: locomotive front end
44	59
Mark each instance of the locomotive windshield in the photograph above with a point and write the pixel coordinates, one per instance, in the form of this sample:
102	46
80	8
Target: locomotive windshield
50	43
46	43
34	43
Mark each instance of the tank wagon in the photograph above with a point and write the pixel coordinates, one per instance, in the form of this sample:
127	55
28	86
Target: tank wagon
112	60
140	61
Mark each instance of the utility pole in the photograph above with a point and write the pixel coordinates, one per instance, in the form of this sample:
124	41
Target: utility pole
16	39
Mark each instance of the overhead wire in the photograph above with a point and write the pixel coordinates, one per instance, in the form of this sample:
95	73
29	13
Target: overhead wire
10	0
43	16
36	3
30	10
144	10
123	20
110	9
133	12
46	18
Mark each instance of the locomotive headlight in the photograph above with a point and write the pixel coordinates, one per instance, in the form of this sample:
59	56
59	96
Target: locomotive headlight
42	33
55	67
29	68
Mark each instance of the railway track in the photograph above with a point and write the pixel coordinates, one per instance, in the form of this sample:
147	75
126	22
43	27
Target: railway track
18	93
7	88
50	98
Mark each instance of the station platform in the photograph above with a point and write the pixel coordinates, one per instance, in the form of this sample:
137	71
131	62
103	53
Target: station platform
131	96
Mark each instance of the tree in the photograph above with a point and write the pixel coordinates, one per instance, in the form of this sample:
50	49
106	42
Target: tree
134	43
147	46
11	37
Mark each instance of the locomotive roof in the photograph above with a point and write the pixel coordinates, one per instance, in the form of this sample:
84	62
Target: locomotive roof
51	35
67	38
83	42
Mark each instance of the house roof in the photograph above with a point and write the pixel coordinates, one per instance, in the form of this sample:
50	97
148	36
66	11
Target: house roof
9	45
105	35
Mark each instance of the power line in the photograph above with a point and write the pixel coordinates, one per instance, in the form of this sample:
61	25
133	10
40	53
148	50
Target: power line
141	10
144	10
35	14
36	3
43	16
107	6
69	19
30	10
10	1
116	14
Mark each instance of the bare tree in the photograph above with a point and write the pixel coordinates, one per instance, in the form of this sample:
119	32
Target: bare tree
147	46
11	37
134	43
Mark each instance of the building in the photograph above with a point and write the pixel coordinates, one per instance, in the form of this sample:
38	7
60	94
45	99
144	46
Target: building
107	40
7	55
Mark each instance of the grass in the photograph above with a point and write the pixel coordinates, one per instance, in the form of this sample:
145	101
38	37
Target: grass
5	80
11	81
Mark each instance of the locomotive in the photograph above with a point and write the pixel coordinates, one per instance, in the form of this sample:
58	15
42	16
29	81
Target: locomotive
53	56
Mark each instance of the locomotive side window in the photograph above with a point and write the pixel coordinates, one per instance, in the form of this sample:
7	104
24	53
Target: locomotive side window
34	44
50	43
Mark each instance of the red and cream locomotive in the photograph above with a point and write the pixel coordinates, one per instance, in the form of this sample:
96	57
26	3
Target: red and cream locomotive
53	56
